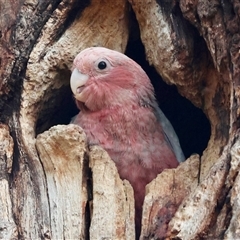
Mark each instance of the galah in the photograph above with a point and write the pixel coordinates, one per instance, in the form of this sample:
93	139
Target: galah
119	112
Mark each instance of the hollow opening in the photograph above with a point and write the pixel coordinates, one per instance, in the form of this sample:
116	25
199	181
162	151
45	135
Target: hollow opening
189	122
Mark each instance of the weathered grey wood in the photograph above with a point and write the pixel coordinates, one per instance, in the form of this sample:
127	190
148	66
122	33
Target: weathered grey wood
164	195
8	227
113	201
62	152
191	221
192	44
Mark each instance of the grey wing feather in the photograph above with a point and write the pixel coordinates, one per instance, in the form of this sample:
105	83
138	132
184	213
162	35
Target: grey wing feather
170	134
73	119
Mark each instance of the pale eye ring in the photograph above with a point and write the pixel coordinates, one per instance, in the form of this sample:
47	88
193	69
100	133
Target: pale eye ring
102	65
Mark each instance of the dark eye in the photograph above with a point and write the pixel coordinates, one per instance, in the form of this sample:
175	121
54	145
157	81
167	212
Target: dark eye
102	65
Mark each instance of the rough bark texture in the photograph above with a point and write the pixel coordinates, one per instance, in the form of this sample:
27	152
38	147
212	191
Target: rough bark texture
7	224
165	194
51	185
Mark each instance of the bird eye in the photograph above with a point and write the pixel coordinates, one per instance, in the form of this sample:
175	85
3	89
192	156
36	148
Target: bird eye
102	65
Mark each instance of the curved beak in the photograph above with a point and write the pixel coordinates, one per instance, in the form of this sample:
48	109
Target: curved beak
77	82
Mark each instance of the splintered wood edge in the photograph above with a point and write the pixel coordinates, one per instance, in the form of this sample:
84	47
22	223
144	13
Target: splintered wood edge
113	200
62	152
169	188
196	211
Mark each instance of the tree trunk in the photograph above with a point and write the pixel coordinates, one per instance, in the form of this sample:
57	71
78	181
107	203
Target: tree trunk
52	186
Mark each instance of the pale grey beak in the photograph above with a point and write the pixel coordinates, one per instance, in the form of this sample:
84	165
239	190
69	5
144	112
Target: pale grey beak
77	82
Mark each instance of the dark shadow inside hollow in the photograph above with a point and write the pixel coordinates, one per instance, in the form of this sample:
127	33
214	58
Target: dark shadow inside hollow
190	123
58	109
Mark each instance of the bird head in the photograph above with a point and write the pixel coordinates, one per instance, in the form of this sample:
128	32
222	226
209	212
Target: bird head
103	78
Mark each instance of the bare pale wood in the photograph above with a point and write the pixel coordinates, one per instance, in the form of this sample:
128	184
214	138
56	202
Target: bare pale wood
113	202
62	152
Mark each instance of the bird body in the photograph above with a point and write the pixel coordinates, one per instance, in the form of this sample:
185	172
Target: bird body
118	111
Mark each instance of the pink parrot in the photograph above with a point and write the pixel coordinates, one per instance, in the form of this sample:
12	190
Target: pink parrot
119	112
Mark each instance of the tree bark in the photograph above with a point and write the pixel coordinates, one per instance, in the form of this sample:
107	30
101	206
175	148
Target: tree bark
52	186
